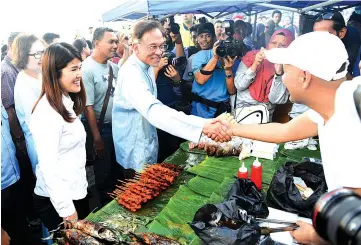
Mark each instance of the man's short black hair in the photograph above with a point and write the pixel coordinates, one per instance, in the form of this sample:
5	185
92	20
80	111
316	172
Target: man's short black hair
80	44
336	17
12	37
144	26
276	12
49	37
90	45
99	33
193	28
249	28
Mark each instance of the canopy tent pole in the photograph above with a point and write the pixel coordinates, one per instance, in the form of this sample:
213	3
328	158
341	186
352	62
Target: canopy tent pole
254	27
206	14
324	4
275	6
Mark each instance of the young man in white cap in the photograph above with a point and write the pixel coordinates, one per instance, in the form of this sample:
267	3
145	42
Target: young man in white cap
315	66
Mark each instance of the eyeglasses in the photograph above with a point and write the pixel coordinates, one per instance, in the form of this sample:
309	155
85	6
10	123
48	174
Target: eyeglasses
153	48
37	55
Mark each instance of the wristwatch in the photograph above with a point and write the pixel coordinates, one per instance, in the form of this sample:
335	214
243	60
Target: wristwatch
229	75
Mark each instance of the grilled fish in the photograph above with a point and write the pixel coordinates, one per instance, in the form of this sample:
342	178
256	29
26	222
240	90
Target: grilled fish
95	230
76	237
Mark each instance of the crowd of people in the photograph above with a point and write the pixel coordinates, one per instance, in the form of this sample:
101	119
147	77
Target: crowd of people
115	102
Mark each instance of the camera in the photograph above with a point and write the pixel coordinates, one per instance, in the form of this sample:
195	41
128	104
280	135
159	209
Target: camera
230	46
337	217
174	27
179	63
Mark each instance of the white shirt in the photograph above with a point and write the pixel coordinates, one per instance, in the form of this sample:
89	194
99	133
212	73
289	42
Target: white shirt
26	93
340	139
137	113
60	146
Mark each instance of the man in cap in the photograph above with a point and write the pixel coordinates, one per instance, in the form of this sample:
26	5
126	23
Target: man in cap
333	115
214	79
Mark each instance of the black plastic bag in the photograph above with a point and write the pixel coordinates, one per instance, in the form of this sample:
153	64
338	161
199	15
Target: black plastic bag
247	197
283	193
221	224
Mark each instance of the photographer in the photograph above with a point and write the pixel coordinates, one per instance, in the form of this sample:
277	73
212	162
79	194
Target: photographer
168	81
214	79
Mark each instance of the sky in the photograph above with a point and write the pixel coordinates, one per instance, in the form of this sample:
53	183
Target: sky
59	16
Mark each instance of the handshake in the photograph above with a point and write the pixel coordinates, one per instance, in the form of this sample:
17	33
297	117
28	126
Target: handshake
220	129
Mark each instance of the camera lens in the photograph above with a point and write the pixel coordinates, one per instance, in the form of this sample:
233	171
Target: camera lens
221	51
337	217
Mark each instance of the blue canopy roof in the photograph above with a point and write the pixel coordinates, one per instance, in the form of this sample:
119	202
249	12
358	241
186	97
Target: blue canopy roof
136	9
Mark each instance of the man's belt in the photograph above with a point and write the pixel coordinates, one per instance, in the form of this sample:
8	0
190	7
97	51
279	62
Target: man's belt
209	103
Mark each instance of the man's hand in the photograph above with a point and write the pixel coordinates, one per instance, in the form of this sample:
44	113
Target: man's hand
5	239
215	45
163	62
176	38
306	234
98	145
228	62
172	73
218	130
70	219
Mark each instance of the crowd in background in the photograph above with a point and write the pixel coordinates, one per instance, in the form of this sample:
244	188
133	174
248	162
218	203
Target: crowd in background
193	77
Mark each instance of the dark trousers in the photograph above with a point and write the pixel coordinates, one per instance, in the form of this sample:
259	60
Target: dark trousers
28	181
168	143
13	217
106	171
50	217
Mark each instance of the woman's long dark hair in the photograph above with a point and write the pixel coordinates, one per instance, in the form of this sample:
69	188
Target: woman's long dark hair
55	58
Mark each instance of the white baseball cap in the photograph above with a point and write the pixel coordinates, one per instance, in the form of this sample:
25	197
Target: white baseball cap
322	54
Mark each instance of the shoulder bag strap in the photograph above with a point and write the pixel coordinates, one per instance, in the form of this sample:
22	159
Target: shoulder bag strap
106	99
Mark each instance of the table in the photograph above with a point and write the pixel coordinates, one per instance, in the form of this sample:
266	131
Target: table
170	213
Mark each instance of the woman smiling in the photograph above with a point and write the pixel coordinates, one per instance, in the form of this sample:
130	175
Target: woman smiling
59	136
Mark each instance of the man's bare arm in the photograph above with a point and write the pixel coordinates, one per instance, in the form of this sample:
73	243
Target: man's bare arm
301	127
15	127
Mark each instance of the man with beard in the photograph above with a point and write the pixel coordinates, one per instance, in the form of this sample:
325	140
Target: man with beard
214	79
137	112
97	71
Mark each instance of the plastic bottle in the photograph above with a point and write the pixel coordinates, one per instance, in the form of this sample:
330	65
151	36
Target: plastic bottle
243	172
256	174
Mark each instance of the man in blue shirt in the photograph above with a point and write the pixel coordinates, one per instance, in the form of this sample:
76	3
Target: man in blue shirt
13	219
214	79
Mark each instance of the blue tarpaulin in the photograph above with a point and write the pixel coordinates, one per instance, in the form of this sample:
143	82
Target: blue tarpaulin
136	9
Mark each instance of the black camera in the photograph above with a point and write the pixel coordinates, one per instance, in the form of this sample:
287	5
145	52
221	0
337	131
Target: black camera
174	27
230	46
337	217
179	63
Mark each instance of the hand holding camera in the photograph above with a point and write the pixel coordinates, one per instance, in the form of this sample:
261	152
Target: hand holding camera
215	46
172	73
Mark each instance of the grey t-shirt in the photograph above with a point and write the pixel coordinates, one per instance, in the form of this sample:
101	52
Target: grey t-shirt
95	77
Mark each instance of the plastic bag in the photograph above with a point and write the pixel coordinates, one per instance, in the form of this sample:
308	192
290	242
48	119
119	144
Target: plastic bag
247	197
221	224
283	193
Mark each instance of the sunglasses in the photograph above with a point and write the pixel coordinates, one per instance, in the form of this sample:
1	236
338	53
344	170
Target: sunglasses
325	16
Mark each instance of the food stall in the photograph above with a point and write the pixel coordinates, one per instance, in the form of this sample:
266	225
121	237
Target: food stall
204	180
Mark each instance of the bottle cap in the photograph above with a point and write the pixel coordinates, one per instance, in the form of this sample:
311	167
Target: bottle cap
243	169
256	163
